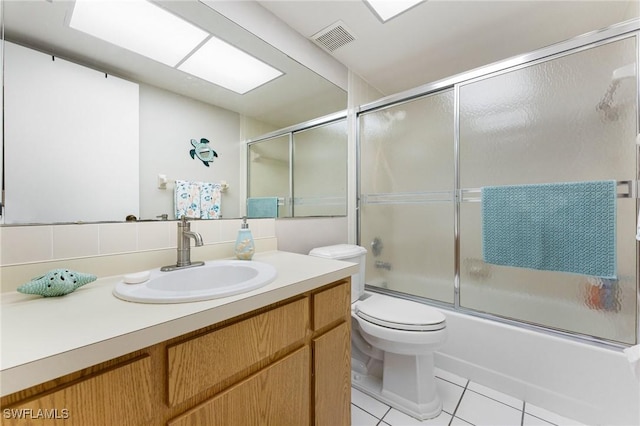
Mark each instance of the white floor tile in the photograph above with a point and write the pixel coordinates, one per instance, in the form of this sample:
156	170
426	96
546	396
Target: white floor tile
530	420
459	422
549	416
362	418
450	395
494	394
450	377
368	404
396	418
482	411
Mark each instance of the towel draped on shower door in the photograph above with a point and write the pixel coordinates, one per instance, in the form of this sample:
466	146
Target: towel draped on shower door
569	227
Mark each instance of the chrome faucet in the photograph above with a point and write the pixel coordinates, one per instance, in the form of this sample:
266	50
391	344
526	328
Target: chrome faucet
184	247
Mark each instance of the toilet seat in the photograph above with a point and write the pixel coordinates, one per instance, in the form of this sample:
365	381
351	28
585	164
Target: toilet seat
399	314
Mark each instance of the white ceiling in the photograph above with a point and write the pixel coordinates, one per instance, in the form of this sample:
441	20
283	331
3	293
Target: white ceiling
441	38
434	40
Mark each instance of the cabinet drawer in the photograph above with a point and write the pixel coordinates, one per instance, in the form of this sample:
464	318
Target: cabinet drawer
204	361
277	395
332	304
121	396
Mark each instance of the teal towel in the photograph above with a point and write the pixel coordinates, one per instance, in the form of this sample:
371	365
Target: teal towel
262	207
569	227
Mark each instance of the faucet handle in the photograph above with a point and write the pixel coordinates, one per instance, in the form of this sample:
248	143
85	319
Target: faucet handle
184	223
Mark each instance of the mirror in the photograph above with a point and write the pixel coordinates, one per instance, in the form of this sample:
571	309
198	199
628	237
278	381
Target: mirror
173	109
304	171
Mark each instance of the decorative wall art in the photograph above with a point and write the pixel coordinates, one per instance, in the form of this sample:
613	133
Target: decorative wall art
203	151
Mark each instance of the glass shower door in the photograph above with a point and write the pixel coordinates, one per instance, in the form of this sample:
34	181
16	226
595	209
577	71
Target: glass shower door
407	196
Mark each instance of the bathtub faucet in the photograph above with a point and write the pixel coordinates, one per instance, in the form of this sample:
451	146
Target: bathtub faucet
383	265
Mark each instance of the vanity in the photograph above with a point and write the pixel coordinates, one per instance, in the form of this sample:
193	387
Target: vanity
278	355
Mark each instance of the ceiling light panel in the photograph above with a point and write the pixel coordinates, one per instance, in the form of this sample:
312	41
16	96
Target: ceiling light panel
225	65
139	26
387	9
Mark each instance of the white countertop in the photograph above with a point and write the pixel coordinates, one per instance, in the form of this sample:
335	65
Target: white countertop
45	338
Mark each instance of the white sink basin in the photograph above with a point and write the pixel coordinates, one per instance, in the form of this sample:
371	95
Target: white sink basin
215	279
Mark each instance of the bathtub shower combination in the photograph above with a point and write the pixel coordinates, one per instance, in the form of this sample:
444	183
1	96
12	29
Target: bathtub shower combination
563	118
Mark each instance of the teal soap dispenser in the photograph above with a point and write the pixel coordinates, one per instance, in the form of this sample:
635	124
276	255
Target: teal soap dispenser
245	246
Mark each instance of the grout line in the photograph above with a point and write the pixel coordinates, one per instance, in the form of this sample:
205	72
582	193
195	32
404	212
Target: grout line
455	410
387	412
371	414
449	381
524	409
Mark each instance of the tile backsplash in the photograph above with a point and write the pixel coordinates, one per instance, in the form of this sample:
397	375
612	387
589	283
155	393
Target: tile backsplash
41	243
111	248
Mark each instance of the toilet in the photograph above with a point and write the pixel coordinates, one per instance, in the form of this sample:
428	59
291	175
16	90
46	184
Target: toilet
392	343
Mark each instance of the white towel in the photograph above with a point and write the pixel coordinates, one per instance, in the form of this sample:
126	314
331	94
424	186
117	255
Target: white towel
187	199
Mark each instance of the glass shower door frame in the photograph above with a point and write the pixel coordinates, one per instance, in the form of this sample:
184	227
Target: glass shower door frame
617	32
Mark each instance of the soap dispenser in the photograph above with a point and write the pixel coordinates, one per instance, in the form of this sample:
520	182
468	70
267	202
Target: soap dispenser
244	243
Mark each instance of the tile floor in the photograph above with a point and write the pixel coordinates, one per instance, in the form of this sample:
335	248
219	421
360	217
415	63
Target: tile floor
464	403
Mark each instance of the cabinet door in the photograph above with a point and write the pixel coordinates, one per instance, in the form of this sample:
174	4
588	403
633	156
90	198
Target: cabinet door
279	395
201	362
121	396
332	385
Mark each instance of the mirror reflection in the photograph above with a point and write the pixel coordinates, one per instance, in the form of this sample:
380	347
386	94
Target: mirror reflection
302	172
76	147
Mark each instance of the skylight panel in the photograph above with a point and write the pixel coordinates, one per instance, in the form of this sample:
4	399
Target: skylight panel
387	9
139	26
225	65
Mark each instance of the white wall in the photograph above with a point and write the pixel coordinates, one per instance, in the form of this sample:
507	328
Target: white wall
167	124
300	235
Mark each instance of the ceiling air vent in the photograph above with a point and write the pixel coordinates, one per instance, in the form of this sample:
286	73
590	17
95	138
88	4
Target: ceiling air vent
333	37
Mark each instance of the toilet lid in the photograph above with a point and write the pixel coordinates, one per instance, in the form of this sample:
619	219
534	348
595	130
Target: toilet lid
400	314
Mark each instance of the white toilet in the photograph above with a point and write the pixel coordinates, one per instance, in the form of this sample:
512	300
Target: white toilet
392	343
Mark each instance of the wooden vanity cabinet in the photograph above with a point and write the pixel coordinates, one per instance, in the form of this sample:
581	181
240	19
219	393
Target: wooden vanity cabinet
285	364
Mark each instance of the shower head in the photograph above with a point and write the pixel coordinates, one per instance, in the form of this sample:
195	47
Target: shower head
627	71
605	105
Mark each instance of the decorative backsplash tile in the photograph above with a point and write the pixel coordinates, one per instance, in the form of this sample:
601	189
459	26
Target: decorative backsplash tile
41	243
76	241
22	244
118	238
155	235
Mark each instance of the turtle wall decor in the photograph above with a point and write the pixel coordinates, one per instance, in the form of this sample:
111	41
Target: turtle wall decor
203	151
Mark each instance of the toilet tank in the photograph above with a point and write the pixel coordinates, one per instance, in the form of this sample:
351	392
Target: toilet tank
348	253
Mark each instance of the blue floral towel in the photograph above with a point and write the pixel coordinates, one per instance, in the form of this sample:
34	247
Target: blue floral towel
187	195
569	227
210	197
197	199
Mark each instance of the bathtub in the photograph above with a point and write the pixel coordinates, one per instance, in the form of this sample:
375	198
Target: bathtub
592	384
